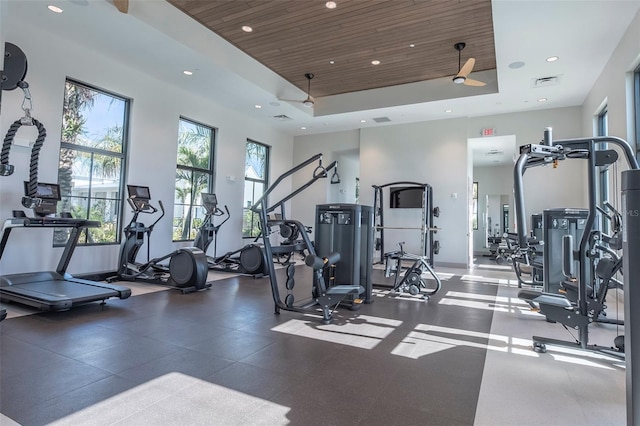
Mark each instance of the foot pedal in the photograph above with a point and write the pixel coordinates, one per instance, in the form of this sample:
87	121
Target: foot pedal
358	301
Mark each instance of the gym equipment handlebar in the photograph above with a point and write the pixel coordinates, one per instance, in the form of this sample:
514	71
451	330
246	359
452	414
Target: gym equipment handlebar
317	262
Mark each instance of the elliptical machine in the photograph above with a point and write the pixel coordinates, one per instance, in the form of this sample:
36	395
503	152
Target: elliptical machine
187	269
249	260
208	231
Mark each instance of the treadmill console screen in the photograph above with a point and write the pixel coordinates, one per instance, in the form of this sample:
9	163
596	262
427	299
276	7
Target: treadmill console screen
45	191
139	192
49	195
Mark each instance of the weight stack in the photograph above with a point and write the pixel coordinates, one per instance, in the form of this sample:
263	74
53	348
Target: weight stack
347	229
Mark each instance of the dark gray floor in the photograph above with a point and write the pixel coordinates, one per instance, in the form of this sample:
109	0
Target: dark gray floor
55	364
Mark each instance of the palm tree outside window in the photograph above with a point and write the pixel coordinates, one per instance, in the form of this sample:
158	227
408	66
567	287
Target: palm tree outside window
194	175
256	178
92	160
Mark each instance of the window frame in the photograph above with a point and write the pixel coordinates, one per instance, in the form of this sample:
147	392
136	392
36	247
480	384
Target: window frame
92	151
210	171
245	209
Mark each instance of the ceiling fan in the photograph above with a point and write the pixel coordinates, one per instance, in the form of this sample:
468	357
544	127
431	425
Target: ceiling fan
464	71
309	102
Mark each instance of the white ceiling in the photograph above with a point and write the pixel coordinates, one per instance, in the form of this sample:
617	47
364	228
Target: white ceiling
160	40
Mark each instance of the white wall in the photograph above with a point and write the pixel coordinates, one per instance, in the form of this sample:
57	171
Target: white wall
615	88
330	145
435	152
155	109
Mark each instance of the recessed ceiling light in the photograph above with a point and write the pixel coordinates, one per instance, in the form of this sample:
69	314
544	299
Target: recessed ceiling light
332	62
552	58
375	62
247	29
363	121
331	5
258	106
448	110
55	9
542	100
303	128
516	65
187	72
412	45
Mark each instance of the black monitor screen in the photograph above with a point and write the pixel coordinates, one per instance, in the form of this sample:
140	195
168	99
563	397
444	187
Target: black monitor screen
406	197
209	199
139	191
45	191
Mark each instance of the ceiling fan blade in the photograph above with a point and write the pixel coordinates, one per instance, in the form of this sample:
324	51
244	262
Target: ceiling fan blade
471	82
122	5
466	68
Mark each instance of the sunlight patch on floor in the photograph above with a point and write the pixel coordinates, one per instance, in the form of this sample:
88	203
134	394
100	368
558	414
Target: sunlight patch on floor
361	331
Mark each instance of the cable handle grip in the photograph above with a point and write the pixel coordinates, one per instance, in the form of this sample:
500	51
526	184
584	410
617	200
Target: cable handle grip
317	262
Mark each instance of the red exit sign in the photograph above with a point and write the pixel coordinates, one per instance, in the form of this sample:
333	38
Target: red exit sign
487	132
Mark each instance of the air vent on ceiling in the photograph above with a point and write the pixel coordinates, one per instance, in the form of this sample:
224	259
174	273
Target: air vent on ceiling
381	119
282	117
546	81
494	152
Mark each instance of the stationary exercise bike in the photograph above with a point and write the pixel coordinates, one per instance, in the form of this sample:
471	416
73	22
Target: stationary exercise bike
187	270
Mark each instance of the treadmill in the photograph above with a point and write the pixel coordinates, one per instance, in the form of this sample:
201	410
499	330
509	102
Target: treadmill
53	290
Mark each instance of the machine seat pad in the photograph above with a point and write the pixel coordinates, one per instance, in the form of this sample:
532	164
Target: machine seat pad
345	289
544	298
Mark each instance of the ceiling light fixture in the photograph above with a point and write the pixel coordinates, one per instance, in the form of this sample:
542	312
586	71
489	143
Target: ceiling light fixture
332	62
552	58
375	62
363	121
542	100
187	72
303	128
331	5
412	45
258	106
247	29
448	110
55	9
309	101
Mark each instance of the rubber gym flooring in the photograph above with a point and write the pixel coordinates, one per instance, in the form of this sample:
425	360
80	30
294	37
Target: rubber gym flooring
221	357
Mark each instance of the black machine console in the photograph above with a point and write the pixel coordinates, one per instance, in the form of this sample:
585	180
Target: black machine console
46	200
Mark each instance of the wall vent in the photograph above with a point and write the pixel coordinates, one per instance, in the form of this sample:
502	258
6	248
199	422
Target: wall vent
282	117
382	119
546	81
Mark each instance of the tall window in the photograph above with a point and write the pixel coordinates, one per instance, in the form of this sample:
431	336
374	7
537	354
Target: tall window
256	178
92	160
194	175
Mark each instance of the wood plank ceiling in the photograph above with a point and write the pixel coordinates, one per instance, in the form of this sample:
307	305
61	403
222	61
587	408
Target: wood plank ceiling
294	37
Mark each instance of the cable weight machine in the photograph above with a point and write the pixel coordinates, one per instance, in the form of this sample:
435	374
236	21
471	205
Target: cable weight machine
323	297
